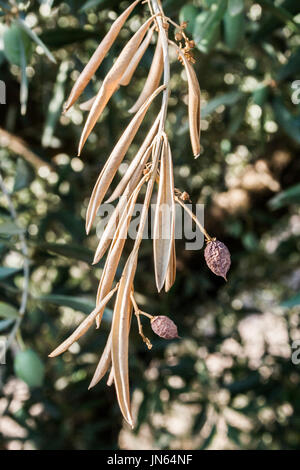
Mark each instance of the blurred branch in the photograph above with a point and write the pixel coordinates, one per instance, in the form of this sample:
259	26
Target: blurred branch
24	249
18	146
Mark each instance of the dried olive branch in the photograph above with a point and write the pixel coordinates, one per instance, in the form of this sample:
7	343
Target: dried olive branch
152	164
26	270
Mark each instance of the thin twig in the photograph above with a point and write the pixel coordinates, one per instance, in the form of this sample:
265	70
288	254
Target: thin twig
192	215
137	313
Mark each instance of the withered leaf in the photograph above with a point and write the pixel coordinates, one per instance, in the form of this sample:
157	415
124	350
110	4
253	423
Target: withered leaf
98	56
164	220
113	162
111	82
153	78
83	327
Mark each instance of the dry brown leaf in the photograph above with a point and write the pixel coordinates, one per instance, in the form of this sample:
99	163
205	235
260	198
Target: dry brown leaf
164	220
115	251
83	327
153	78
111	82
124	209
120	335
138	162
171	272
123	306
194	105
103	364
110	380
126	78
87	105
113	162
98	56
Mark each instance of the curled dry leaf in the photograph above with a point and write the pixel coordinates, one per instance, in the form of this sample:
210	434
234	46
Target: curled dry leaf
194	104
123	210
113	162
115	251
110	379
103	364
164	327
126	78
138	161
87	105
164	220
83	327
111	82
120	334
98	56
217	257
171	272
153	78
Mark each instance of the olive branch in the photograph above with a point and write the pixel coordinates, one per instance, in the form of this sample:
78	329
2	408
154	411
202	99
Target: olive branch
151	166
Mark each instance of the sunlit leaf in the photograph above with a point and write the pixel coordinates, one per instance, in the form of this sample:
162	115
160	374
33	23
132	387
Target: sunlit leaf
36	39
13	38
188	13
55	105
207	26
234	29
29	367
8	311
227	99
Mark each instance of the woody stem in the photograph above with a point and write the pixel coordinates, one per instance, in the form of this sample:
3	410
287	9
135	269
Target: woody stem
192	215
137	313
163	37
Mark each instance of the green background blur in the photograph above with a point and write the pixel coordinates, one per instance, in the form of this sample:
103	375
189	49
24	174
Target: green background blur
231	381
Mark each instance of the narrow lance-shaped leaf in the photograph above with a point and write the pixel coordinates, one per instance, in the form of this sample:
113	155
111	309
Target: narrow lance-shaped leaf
123	307
103	364
120	334
171	272
116	249
126	79
82	328
110	228
164	220
87	105
36	39
111	82
110	380
98	56
137	161
194	105
55	104
153	78
116	157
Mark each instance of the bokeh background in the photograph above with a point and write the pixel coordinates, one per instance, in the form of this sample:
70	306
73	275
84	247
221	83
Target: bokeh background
230	381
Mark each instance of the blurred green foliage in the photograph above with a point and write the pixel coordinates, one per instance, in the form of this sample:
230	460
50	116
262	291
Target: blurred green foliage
229	382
